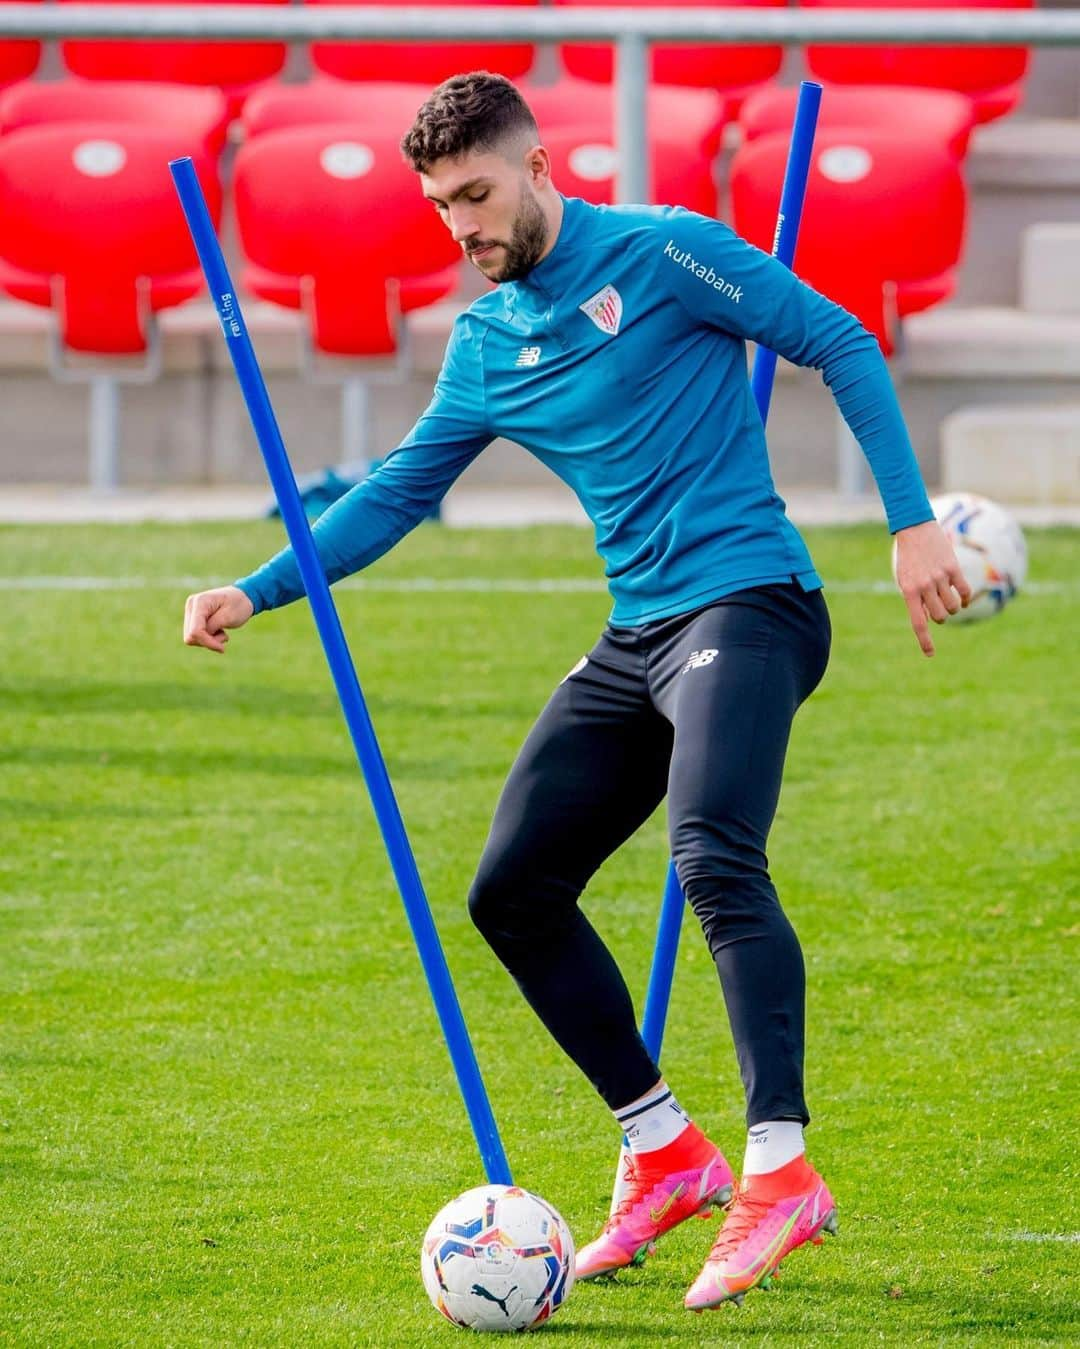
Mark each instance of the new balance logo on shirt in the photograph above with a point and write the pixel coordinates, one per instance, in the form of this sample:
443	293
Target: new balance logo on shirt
528	356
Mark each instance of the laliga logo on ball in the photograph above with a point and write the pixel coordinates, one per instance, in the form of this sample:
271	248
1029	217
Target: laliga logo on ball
497	1258
990	547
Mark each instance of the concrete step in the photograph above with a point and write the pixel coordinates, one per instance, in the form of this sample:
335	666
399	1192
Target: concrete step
1050	269
993	342
1028	454
1052	88
1021	171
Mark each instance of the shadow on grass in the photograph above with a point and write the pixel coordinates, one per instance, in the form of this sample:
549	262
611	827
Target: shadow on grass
59	697
15	808
185	763
182	763
68	698
598	1331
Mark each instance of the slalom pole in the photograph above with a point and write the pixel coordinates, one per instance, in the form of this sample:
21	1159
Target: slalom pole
343	671
792	196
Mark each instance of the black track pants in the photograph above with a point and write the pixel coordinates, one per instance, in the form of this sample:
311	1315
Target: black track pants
698	707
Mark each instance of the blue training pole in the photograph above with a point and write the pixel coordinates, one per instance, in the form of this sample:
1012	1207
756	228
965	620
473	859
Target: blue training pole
342	670
792	196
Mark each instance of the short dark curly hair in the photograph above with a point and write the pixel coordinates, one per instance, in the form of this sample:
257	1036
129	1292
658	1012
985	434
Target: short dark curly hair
477	111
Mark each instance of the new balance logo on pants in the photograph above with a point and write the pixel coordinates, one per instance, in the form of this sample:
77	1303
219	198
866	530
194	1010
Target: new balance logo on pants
700	658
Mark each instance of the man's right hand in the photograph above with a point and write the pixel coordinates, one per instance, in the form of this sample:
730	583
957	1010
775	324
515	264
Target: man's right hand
210	612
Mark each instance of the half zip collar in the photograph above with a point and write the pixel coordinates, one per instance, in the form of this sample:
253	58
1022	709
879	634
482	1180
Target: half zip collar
535	297
546	275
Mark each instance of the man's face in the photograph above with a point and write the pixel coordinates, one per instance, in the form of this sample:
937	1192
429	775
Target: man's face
487	203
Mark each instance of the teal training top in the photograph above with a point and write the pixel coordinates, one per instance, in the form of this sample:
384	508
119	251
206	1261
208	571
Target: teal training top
620	362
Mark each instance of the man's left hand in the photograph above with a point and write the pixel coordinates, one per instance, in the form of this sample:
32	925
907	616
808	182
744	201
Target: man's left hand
929	578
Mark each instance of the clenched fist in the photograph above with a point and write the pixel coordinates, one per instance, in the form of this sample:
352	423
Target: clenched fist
210	612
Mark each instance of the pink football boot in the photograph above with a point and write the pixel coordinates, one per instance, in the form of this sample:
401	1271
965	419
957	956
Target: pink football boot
771	1215
659	1190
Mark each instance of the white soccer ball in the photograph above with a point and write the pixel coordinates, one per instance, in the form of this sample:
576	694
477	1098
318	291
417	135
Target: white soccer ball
497	1258
989	546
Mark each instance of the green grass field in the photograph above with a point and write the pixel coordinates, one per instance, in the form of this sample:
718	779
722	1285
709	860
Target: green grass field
226	1111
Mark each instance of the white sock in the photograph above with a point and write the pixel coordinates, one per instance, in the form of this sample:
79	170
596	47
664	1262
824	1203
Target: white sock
653	1120
772	1144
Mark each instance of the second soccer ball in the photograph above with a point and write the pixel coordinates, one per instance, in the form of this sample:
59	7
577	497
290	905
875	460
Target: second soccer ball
990	547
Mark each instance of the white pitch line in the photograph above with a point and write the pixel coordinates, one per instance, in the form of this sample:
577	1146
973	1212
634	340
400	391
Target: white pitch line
539	585
1068	1237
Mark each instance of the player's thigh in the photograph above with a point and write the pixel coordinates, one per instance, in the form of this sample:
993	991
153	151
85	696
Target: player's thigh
591	771
758	656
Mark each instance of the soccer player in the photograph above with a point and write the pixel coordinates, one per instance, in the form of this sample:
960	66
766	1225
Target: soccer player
612	346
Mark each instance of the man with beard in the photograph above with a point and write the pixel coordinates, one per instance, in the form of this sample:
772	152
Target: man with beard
613	348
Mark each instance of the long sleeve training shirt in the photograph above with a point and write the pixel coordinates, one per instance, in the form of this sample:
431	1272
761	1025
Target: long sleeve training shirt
619	361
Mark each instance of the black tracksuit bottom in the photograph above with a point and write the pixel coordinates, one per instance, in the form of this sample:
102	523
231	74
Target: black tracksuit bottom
698	707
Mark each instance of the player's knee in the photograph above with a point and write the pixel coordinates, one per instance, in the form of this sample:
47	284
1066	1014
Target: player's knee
707	853
493	907
732	905
515	905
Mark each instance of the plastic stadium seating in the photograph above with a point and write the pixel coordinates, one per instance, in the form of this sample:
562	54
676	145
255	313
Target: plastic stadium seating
734	71
697	115
377	108
17	59
198	116
234	67
926	114
334	222
386	106
583	164
92	228
419	62
990	76
883	225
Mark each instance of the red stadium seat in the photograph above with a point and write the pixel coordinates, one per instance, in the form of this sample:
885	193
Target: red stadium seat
235	67
990	76
417	62
734	71
18	60
584	162
926	114
199	116
92	228
332	221
93	231
337	224
381	108
386	106
697	115
883	212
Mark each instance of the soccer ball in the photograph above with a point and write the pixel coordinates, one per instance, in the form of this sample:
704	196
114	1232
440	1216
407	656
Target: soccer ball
989	546
497	1258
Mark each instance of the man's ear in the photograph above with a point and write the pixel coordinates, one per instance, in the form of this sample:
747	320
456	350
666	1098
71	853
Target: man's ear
538	165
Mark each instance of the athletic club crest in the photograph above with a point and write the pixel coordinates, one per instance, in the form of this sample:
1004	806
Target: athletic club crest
605	309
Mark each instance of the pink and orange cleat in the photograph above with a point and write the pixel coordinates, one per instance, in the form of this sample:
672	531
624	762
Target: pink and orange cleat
771	1216
660	1190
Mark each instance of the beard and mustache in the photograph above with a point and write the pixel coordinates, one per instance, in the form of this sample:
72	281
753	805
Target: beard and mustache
522	251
